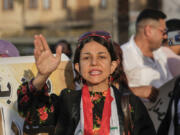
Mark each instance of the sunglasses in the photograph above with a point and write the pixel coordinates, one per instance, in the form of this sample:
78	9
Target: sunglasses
103	34
164	32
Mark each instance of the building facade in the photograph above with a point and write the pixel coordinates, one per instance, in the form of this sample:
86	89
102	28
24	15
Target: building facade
55	19
18	17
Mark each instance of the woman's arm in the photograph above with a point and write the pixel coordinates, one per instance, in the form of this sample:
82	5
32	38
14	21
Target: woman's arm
45	61
31	101
148	92
38	108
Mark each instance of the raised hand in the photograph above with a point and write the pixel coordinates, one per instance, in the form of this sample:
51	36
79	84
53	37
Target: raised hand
46	62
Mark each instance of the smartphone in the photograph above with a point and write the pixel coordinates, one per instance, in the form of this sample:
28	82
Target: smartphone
174	38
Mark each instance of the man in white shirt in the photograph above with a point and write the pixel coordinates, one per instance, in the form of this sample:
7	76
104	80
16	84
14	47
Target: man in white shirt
145	63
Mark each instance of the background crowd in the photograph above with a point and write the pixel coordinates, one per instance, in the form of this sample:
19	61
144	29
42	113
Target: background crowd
138	68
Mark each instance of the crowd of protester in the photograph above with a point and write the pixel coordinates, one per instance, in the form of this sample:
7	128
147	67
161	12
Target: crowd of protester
114	81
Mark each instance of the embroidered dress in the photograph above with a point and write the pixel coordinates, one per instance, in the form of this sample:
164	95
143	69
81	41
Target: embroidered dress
40	114
97	99
44	112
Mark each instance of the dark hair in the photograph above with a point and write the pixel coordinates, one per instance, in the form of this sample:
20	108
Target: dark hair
69	54
150	14
173	24
120	77
102	41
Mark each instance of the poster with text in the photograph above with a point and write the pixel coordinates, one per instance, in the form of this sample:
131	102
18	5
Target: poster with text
16	70
158	109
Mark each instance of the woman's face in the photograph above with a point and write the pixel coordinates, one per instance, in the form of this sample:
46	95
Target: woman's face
95	64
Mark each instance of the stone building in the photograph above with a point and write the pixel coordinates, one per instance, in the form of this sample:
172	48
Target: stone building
55	19
67	19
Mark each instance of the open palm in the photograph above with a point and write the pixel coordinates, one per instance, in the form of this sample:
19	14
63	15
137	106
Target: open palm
46	62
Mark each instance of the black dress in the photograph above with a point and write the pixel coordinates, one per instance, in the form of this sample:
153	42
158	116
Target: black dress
43	112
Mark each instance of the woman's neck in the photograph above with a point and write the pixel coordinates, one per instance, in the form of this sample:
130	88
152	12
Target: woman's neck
98	87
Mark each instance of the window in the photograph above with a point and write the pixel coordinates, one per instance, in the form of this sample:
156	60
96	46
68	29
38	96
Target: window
46	4
33	3
103	3
8	4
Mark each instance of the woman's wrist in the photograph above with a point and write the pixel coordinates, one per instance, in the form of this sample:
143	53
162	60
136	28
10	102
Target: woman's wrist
39	81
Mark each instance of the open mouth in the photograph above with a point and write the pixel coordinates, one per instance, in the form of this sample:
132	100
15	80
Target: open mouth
95	72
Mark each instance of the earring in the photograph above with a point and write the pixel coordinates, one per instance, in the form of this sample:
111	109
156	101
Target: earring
82	81
110	80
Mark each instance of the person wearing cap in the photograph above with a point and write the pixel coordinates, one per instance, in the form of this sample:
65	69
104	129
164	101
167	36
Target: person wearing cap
7	49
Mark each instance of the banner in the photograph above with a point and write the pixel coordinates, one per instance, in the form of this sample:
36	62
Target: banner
16	70
158	109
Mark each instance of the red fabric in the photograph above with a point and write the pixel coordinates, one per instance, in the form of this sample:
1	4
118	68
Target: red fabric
88	116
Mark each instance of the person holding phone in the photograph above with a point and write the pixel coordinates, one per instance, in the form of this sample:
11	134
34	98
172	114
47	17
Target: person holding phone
171	46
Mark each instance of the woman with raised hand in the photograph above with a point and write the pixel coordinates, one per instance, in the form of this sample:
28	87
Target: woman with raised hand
94	110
